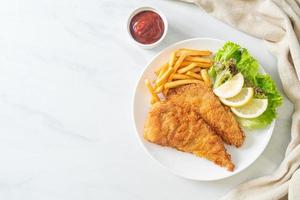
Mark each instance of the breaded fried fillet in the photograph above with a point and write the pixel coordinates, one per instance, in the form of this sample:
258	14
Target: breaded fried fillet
180	127
209	107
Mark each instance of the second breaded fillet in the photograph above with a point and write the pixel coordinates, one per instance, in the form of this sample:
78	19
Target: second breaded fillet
180	127
216	115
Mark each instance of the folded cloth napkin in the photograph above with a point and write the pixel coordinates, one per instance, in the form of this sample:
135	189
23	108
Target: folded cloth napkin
278	23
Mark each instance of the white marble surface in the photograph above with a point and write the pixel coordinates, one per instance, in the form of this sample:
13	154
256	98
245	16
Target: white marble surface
67	76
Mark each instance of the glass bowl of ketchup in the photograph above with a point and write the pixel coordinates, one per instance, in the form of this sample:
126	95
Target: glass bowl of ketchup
147	27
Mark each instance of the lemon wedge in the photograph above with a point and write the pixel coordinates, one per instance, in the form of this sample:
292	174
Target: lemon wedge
240	99
231	87
254	108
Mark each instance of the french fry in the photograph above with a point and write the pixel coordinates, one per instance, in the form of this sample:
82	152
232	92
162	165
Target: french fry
161	70
152	101
181	77
178	62
176	66
193	52
197	69
158	70
202	65
175	84
198	59
193	74
154	97
180	70
172	59
187	68
205	76
163	78
165	91
159	89
184	64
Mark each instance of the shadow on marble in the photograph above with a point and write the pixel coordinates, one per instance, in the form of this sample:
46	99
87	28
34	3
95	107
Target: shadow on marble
174	35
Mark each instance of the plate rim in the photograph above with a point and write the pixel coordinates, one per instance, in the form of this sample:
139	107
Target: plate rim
272	125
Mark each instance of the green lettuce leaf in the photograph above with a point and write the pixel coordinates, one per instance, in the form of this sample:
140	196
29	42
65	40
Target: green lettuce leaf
259	122
265	82
229	50
249	67
212	73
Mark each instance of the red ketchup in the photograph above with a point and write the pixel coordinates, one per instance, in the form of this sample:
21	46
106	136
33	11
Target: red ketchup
147	27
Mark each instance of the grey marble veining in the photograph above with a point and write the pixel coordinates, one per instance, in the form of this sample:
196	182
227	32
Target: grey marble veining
67	76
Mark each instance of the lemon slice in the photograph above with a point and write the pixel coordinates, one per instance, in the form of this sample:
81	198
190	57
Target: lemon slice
252	109
231	87
240	99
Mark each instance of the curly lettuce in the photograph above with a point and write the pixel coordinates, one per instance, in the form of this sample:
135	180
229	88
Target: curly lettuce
263	84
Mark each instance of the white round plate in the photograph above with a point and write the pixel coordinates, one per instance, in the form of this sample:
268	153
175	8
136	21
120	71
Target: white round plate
185	164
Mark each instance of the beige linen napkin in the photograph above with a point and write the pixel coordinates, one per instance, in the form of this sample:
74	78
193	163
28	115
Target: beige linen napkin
278	23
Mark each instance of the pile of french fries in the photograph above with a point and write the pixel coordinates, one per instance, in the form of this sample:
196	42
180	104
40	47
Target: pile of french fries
185	66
